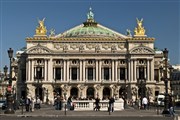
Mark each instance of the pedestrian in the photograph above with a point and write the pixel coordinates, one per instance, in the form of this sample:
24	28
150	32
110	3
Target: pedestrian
28	102
32	104
97	107
111	104
145	102
69	102
171	106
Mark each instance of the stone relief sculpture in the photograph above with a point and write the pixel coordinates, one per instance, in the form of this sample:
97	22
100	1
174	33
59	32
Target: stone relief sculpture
97	48
134	91
113	48
141	50
38	50
65	48
81	48
57	46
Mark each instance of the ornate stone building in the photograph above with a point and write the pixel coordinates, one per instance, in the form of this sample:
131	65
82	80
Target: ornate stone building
87	61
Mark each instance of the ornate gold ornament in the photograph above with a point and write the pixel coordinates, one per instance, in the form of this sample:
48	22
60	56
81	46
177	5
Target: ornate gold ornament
139	30
41	29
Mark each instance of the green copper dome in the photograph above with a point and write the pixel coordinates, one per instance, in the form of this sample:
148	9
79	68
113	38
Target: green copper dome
92	29
89	31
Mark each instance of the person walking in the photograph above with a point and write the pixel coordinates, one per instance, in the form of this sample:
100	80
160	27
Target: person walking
28	102
111	104
97	107
145	102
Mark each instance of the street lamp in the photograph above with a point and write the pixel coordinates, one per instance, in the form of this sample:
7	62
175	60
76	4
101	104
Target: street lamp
165	78
9	97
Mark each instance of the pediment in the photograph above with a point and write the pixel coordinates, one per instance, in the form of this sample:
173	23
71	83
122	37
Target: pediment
142	50
38	50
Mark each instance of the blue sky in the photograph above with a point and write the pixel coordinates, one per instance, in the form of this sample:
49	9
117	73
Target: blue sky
19	18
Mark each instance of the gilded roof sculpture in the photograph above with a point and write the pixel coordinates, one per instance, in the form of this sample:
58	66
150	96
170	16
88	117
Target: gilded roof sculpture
139	30
41	29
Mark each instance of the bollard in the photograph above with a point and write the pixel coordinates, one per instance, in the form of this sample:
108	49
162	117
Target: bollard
109	111
65	109
157	110
22	109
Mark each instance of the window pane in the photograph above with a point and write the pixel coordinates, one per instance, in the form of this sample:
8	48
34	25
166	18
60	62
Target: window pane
74	74
58	73
90	73
122	73
106	73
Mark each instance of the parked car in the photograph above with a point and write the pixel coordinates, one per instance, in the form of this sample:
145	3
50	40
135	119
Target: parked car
3	104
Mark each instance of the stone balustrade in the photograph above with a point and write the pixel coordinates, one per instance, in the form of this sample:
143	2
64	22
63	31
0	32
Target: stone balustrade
85	105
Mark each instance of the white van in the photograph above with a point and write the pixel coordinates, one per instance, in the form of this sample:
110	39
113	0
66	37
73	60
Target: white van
160	99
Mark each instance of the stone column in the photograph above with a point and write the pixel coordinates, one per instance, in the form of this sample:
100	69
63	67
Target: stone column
100	70
84	70
45	70
32	70
129	69
64	70
94	74
61	73
152	70
148	70
67	71
132	75
29	69
115	71
81	67
50	70
112	78
96	70
135	77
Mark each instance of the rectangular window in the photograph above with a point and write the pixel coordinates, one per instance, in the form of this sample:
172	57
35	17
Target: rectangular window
156	74
141	73
74	74
106	73
90	73
122	73
39	73
58	73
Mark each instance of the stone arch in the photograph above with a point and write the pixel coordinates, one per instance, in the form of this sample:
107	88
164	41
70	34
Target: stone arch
123	92
57	91
74	92
90	93
39	93
106	92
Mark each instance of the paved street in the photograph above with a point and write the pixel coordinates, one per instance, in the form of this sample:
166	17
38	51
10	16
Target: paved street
88	118
47	112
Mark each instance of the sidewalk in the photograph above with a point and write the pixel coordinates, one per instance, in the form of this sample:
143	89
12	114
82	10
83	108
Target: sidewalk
49	111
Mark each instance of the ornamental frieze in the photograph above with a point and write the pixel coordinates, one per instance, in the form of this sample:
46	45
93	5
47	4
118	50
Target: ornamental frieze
57	46
121	46
74	46
90	46
38	50
106	46
142	50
